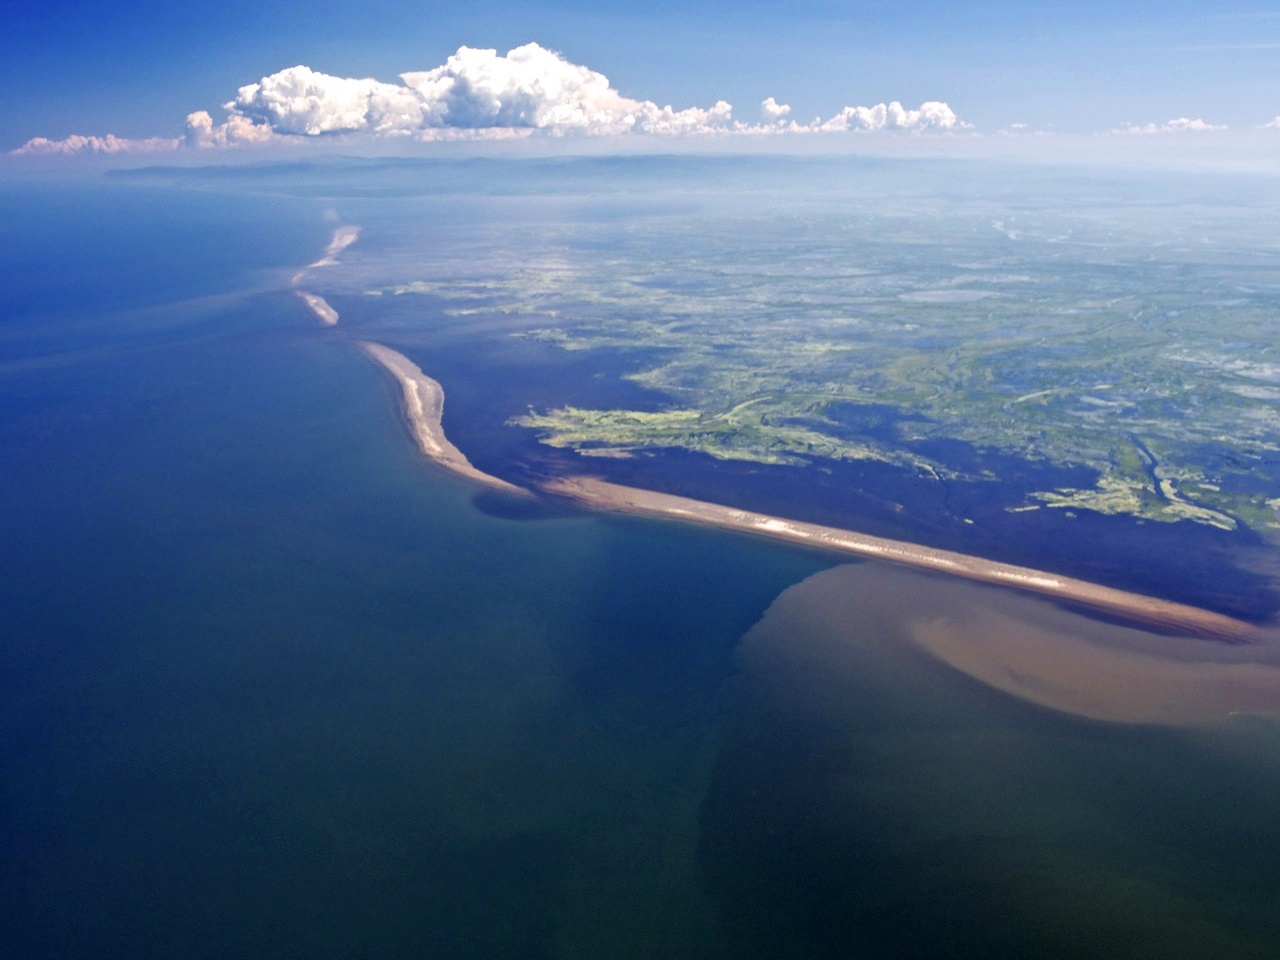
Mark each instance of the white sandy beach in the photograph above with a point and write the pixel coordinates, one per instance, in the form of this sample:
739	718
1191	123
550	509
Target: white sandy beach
422	403
342	238
320	307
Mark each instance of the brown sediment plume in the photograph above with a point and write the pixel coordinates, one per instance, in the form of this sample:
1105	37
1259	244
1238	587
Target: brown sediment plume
320	307
1161	614
860	617
422	403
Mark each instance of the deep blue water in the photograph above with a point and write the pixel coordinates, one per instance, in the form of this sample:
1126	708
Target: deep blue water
271	686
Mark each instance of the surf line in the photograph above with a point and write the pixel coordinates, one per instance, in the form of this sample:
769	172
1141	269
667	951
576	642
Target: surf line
423	403
342	238
422	406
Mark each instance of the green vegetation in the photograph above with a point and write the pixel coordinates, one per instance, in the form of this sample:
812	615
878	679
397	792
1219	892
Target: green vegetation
1138	343
741	433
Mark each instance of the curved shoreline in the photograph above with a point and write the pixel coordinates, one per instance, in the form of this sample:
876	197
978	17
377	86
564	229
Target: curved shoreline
422	405
1163	614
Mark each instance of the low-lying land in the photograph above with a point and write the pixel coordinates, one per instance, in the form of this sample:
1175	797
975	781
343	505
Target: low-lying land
423	405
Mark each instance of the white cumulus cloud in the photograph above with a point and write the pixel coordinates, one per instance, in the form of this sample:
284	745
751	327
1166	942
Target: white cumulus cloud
1179	125
771	109
932	115
530	88
301	101
235	131
1273	125
480	94
109	144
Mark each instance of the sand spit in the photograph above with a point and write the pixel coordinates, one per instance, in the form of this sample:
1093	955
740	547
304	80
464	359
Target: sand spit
423	405
320	307
342	238
1162	614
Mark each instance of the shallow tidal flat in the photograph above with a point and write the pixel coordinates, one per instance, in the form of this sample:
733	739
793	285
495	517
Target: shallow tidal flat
877	775
1050	656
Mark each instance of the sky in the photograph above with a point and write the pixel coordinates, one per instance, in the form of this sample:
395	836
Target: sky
88	69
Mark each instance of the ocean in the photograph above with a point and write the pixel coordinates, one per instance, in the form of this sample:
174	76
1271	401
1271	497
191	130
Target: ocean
272	685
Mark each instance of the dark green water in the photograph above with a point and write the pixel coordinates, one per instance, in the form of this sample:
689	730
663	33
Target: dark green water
270	686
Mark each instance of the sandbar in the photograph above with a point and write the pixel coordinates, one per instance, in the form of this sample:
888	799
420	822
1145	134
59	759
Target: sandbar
423	406
422	403
320	307
342	238
1162	614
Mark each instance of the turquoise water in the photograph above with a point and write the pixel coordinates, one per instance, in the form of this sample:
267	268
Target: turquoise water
272	686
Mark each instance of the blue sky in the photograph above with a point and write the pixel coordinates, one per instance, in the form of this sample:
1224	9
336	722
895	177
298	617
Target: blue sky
90	67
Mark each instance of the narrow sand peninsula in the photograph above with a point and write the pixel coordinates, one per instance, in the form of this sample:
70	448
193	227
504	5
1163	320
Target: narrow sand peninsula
423	406
1163	614
320	307
342	238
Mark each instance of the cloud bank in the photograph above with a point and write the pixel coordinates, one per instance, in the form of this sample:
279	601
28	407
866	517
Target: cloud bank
529	90
1179	125
893	116
108	144
234	132
479	94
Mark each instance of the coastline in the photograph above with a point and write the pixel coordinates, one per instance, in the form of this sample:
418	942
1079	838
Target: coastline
1162	614
422	405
